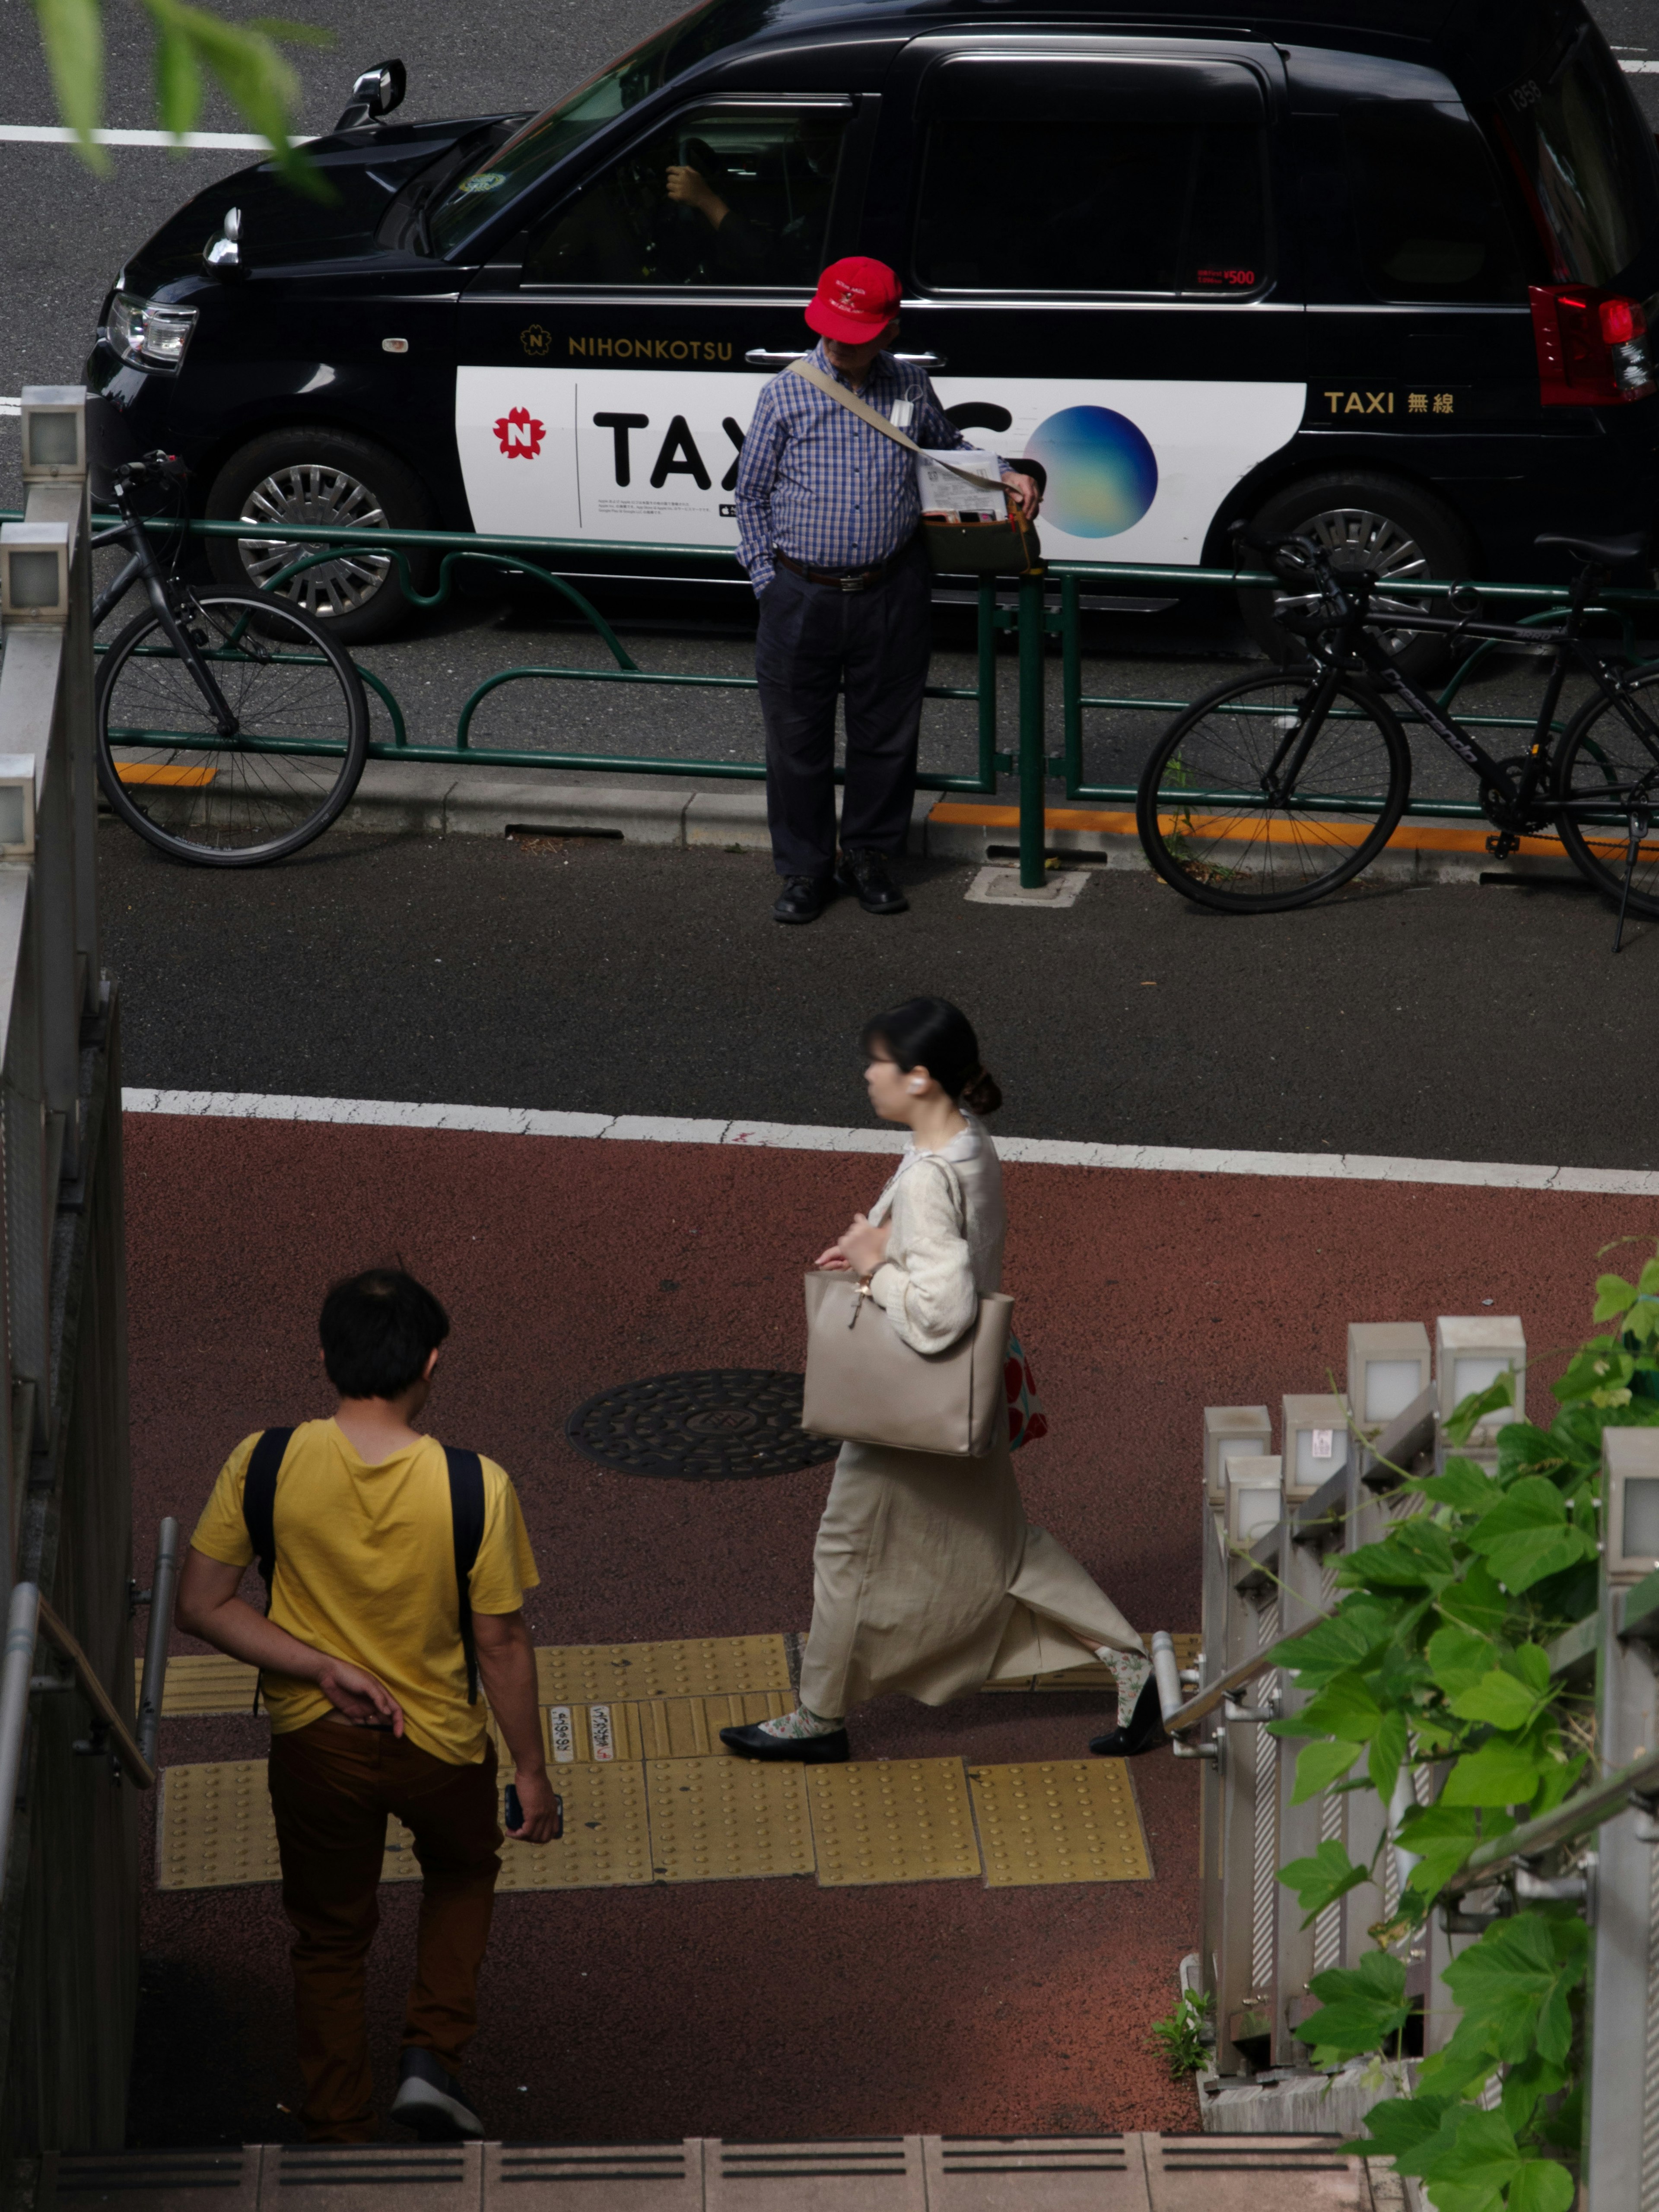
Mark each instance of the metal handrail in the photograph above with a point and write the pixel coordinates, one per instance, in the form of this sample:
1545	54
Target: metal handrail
22	1622
153	1688
125	1749
1576	1817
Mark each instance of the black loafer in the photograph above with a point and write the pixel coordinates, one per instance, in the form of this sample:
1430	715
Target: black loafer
1145	1731
803	898
753	1742
865	874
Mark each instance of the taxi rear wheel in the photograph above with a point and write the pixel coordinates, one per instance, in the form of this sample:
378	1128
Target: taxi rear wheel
1380	522
291	477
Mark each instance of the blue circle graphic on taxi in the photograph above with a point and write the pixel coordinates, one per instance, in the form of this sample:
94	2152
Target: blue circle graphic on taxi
1102	473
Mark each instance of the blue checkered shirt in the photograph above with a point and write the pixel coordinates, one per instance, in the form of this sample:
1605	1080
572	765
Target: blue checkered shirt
815	483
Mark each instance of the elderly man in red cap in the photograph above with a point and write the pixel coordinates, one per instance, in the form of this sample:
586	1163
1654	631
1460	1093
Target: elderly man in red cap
828	527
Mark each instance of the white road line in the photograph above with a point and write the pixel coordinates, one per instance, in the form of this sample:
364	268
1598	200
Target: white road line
810	1137
11	406
55	134
1640	69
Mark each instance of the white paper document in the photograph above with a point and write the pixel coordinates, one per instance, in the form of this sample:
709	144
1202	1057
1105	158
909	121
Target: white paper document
944	494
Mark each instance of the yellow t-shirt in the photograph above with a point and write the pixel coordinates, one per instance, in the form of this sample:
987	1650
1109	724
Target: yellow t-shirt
366	1571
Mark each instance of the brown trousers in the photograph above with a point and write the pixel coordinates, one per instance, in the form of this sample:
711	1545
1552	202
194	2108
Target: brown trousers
331	1788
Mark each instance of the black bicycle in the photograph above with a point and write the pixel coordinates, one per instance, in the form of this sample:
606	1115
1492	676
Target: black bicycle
232	728
1271	793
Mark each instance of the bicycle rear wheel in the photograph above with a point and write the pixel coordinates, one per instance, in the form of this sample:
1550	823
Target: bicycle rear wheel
230	802
1212	825
1604	769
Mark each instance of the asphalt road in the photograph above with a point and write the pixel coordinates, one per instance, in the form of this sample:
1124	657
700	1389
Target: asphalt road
1456	1023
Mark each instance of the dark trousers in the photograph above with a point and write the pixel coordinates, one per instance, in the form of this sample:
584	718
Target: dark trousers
873	646
332	1787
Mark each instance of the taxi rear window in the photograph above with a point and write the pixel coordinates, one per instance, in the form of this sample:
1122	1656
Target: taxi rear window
1426	196
1575	140
1096	178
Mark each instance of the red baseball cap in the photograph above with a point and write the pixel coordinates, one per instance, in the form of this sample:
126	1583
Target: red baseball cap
855	301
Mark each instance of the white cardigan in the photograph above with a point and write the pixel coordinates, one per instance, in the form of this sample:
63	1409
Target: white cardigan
938	1264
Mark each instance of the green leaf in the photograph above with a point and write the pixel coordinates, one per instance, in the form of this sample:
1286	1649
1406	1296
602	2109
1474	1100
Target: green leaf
1526	2086
1464	1486
1347	1707
1415	1555
1513	1989
1468	1412
1387	1754
72	34
1361	2008
177	82
1458	1659
259	84
1529	1535
1532	1666
1542	2185
1612	1296
1318	1765
1497	1698
1320	1881
1334	1646
1476	1602
1400	2125
1499	1773
1522	1447
1644	1598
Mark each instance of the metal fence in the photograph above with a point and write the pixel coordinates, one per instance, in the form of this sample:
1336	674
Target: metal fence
1275	1525
69	1765
1043	604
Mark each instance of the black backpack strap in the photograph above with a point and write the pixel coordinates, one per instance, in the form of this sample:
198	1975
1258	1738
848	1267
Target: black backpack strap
466	1509
259	1508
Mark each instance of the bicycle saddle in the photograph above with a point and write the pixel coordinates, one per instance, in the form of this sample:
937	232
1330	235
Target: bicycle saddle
1614	551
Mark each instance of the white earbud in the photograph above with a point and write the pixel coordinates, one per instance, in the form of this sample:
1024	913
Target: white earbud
916	1087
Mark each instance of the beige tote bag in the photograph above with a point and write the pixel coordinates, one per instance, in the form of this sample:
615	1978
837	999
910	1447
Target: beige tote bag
865	1385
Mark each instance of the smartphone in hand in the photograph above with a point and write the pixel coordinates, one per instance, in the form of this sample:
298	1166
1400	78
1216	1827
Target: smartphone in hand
515	1812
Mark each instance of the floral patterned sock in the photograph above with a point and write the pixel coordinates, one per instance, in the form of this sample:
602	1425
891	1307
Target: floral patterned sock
1131	1669
800	1723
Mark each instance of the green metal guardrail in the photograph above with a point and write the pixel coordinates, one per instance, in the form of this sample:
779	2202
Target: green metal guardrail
1030	617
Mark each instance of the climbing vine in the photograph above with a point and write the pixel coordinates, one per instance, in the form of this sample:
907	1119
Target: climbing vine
1434	1663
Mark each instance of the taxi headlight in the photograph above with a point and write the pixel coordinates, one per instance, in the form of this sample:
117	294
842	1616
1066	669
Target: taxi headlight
147	334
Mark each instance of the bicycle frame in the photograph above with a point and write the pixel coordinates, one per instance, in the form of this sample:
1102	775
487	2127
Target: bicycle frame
144	564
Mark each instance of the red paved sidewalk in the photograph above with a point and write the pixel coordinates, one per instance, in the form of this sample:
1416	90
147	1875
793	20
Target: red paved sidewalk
757	2010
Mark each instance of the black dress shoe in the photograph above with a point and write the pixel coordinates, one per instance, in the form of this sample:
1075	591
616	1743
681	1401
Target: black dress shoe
753	1742
1144	1732
803	898
865	874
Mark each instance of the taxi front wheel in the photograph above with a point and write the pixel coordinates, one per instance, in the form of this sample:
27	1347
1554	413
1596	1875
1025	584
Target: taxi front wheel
1380	522
292	478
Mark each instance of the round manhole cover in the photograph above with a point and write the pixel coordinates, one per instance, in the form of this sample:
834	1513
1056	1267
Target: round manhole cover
718	1424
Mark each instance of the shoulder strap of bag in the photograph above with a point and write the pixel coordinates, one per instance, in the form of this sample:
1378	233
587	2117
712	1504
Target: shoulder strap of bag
466	1512
260	1512
854	405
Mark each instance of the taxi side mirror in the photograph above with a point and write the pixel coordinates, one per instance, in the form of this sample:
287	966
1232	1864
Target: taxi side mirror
374	96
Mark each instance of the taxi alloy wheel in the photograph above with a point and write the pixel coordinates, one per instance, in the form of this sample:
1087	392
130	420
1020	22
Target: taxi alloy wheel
289	478
1376	522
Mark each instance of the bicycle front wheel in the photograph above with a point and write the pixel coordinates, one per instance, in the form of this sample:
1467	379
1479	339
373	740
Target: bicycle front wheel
1607	771
301	740
1216	822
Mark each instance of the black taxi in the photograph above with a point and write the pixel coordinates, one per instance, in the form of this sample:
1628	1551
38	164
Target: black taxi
1386	280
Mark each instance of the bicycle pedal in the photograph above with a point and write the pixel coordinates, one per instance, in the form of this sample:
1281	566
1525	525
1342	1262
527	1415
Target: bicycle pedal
1502	844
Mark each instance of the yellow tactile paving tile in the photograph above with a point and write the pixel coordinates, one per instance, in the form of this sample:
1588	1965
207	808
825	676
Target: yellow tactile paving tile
695	1666
607	1843
213	1827
892	1820
656	1728
1056	1820
719	1820
202	1683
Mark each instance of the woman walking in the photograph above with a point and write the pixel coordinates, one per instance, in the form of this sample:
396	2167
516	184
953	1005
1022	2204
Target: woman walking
928	1578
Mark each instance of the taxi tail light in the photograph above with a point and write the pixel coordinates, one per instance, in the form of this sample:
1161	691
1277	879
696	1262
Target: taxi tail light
1592	346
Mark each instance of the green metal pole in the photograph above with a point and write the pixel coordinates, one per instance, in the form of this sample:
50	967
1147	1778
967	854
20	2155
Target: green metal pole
1071	685
987	685
1033	741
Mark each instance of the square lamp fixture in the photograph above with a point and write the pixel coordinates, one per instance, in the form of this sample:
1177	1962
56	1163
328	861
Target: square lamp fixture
1230	1431
1630	1463
1256	1498
1471	1351
16	806
54	431
1315	1440
34	572
1388	1367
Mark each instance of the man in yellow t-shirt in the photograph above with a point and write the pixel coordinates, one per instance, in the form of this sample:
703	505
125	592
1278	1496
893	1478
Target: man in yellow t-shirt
365	1674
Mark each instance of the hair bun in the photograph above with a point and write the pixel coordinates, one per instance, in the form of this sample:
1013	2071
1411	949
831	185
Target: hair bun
981	1093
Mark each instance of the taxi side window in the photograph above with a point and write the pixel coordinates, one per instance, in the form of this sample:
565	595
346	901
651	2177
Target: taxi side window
1432	223
721	196
1073	201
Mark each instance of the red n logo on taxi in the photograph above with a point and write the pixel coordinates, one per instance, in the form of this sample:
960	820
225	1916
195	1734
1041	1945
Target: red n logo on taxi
520	433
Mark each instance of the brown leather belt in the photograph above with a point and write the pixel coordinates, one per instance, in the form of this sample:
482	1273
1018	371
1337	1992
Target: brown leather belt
843	579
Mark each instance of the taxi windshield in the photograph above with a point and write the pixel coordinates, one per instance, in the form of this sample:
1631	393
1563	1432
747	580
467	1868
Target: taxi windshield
545	141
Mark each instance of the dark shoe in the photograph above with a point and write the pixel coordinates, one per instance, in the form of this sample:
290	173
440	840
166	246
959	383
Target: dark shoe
429	2100
807	1750
803	898
1144	1732
865	874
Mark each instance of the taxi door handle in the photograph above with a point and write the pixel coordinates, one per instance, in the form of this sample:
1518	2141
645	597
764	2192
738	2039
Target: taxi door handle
758	357
922	360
